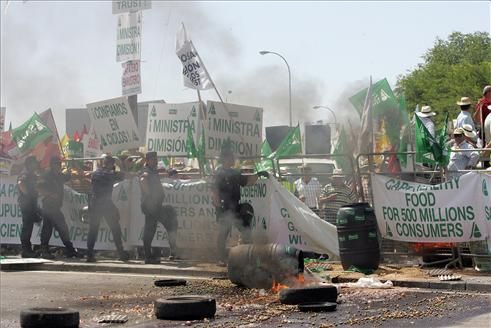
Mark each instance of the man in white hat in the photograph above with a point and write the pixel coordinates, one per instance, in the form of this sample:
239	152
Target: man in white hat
425	116
335	195
464	116
471	136
462	156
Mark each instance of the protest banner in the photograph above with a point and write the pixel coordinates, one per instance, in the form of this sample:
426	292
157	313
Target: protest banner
114	124
124	6
167	127
453	211
131	79
92	146
128	36
11	218
279	217
243	125
194	73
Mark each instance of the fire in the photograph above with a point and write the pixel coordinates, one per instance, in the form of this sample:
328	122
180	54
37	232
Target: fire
277	287
297	280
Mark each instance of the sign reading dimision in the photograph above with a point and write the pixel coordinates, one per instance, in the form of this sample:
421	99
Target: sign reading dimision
168	125
125	6
128	36
242	125
114	124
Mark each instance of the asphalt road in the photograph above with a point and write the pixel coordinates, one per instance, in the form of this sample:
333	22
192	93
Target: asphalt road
97	294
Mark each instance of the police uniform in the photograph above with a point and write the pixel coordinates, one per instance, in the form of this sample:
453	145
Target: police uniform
29	209
151	206
101	205
53	182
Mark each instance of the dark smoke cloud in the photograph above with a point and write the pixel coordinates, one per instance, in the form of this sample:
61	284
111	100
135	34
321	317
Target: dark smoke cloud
267	87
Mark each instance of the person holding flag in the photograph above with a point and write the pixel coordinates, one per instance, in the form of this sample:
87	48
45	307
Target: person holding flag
425	115
462	157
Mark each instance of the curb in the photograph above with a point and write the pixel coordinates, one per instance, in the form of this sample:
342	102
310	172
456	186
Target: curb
442	285
151	269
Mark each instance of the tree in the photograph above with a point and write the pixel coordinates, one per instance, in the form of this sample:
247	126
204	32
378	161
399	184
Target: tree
453	68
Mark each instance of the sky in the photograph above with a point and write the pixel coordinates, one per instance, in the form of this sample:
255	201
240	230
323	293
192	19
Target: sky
62	54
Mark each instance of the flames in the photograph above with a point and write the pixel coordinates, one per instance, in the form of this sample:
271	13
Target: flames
294	282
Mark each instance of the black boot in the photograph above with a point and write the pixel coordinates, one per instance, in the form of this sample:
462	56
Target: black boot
124	256
91	256
45	254
72	252
27	252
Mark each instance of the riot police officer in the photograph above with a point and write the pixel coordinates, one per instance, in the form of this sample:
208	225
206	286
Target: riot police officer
28	202
226	200
101	205
51	188
151	205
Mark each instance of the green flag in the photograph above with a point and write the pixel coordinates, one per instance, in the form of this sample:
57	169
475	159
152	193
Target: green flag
190	145
382	98
342	149
29	134
265	149
428	149
442	140
266	163
291	145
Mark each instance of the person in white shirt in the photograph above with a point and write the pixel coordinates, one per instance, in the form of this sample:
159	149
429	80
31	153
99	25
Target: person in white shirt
308	188
425	116
464	116
462	157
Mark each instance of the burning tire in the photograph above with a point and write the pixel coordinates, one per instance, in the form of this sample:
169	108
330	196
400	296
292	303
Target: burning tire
170	282
313	294
317	307
188	307
49	317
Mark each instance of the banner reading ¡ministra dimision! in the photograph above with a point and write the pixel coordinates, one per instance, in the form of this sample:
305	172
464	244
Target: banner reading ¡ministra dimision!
458	210
242	125
167	127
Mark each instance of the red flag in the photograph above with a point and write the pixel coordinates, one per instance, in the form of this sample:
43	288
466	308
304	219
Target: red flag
76	136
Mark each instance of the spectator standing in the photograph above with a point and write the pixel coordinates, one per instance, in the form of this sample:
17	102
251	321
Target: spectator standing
51	188
462	156
482	110
101	205
464	117
28	202
426	115
308	188
335	195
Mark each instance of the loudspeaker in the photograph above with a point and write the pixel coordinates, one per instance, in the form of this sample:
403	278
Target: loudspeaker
317	139
276	134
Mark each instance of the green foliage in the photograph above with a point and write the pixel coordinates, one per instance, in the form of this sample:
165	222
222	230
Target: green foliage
453	68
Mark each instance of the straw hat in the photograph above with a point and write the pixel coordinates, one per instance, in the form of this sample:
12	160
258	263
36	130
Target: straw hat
464	101
469	131
458	131
425	112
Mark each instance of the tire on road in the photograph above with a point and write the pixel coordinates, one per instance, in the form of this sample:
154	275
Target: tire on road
312	294
49	317
317	307
186	307
170	282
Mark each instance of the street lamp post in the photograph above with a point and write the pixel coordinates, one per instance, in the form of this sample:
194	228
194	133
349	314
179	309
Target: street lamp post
329	109
289	79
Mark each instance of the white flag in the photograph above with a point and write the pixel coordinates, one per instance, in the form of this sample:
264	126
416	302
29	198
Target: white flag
194	73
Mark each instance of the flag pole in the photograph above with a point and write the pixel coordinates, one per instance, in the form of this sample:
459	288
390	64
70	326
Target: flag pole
201	117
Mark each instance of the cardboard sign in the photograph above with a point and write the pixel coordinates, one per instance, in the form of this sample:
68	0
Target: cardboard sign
92	145
243	125
167	127
114	124
131	79
128	36
125	6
